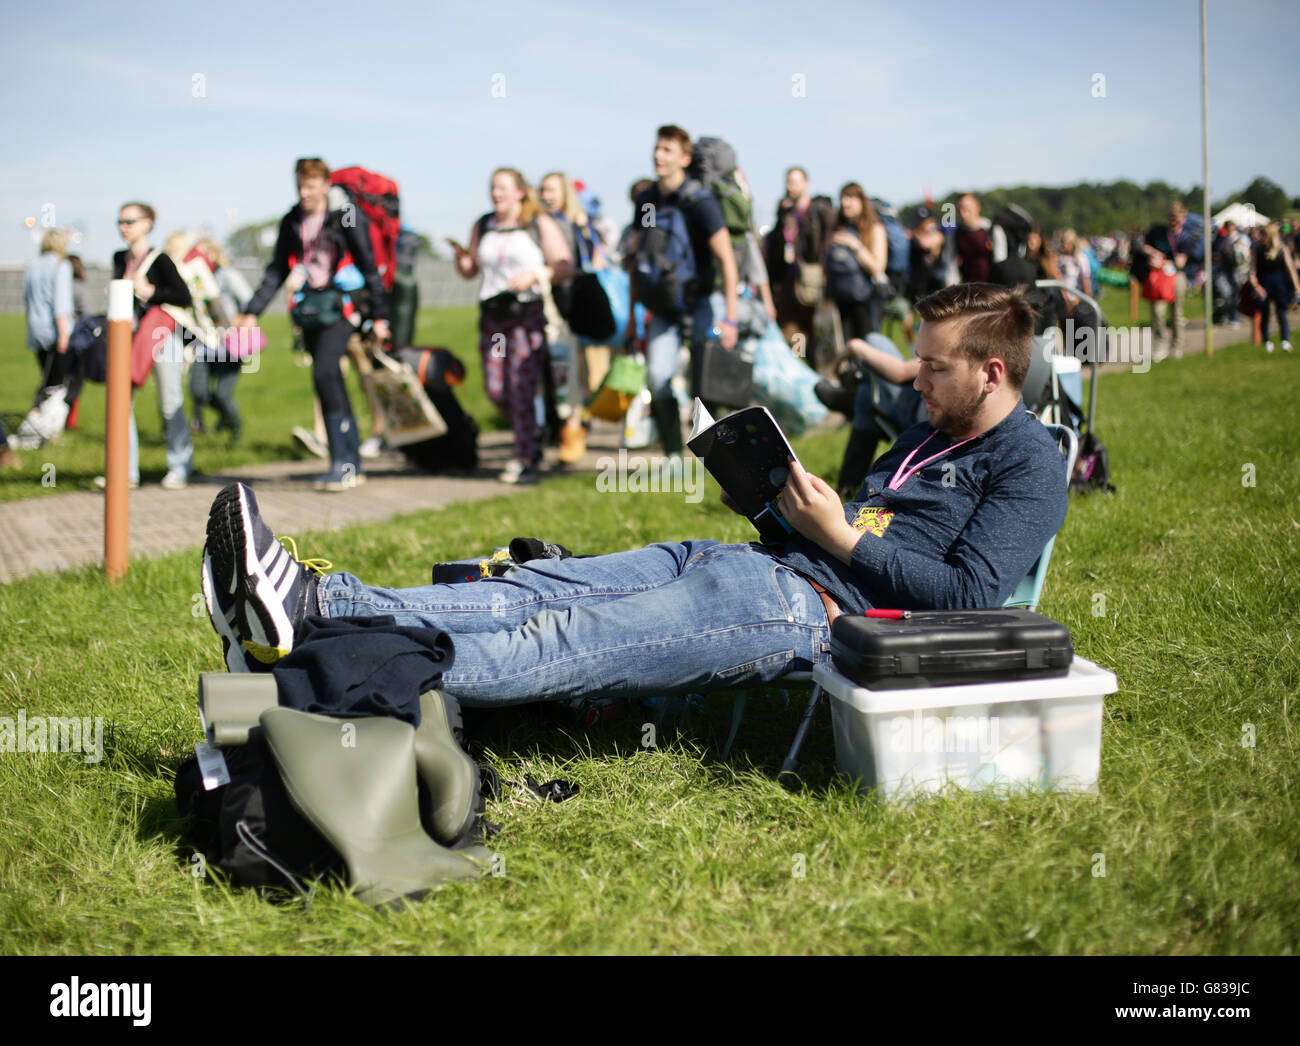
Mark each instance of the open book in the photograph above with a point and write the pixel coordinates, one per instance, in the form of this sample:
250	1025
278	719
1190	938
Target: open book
749	456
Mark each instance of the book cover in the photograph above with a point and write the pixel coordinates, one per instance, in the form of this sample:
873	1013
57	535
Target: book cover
749	456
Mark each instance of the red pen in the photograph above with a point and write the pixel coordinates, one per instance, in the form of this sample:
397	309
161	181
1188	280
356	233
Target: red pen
890	615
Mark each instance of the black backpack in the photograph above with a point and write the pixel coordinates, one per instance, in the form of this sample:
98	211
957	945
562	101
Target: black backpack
1092	467
89	340
1016	224
663	268
249	827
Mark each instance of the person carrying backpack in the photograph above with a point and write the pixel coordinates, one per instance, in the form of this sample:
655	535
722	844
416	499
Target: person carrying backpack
855	260
515	247
680	232
323	250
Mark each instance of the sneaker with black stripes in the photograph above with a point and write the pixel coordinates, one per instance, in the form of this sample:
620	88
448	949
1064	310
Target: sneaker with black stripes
256	590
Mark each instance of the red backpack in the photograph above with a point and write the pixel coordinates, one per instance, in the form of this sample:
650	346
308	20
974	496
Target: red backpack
378	198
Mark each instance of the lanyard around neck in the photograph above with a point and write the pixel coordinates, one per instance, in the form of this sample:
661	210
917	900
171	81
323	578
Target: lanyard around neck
902	474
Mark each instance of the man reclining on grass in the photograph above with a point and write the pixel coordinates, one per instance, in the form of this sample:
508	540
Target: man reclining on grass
951	517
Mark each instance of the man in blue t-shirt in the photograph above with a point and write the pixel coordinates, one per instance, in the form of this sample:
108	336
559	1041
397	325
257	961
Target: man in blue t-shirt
693	321
952	517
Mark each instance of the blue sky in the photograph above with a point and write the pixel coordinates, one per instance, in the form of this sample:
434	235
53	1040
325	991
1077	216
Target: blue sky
201	109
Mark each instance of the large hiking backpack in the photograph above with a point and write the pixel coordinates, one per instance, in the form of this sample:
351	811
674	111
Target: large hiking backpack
1016	224
898	262
664	267
713	165
378	198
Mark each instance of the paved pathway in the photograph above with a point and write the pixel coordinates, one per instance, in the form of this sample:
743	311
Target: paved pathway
63	531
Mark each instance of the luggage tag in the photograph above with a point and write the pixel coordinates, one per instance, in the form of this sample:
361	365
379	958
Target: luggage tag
212	765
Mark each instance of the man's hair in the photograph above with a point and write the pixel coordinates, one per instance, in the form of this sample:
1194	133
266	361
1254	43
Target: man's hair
311	167
796	167
672	133
996	321
638	187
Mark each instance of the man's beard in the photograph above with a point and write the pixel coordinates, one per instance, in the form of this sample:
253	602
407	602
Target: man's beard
957	420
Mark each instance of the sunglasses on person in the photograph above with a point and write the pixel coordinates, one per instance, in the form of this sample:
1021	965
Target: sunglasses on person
130	221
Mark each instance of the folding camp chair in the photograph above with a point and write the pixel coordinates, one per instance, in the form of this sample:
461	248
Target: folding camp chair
1026	595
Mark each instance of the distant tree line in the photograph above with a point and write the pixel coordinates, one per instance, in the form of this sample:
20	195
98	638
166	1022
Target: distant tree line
1096	209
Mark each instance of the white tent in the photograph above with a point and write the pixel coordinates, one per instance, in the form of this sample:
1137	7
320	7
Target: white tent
1243	214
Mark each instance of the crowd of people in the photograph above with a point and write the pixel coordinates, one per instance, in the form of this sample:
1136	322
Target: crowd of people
693	267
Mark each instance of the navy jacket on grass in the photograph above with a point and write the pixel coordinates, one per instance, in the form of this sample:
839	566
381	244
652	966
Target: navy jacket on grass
959	534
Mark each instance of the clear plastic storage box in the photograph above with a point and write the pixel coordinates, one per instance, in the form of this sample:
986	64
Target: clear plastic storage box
1029	733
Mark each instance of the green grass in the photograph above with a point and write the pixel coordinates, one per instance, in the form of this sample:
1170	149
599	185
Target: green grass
1183	583
273	399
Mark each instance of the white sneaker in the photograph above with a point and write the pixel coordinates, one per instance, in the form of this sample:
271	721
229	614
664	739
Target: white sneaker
102	483
176	479
516	472
372	447
307	439
1268	346
1286	346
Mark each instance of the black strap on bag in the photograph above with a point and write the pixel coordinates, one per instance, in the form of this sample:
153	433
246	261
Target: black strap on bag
249	828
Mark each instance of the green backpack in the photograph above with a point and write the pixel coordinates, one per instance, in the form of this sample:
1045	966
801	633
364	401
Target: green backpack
713	164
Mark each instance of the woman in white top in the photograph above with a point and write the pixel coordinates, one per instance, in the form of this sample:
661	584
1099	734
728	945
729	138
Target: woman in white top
514	247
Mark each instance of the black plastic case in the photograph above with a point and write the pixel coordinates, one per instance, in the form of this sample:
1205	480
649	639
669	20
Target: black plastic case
946	647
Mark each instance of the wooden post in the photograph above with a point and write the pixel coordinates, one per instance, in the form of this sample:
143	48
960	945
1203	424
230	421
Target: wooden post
117	441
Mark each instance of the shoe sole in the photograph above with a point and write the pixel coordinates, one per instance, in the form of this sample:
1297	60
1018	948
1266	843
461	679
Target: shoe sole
223	626
233	534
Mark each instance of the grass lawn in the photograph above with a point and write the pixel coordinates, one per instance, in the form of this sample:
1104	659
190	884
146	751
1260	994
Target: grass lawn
273	399
1183	583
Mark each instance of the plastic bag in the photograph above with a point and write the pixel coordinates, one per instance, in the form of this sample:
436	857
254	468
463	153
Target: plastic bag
784	384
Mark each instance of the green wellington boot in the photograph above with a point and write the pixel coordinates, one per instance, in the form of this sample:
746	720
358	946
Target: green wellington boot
450	803
232	703
358	787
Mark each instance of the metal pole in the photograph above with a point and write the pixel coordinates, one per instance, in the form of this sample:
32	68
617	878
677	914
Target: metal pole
1205	200
117	436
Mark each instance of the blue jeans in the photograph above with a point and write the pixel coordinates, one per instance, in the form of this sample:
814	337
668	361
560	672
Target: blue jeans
666	619
1277	292
664	342
168	374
